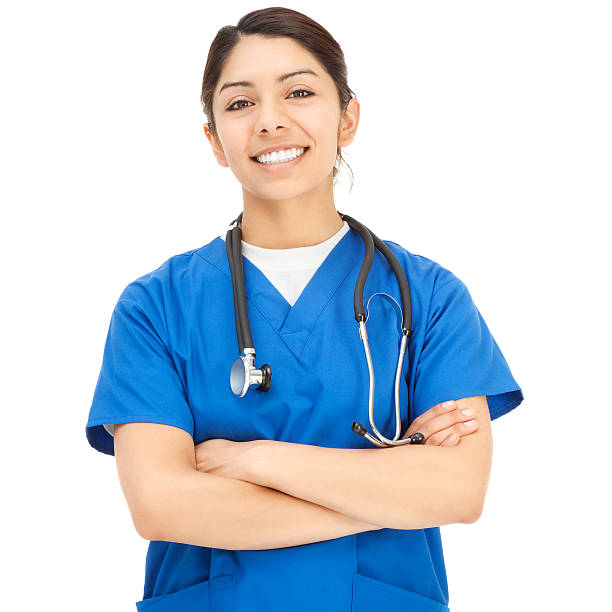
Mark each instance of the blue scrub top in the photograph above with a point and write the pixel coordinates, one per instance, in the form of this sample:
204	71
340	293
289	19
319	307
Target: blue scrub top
167	358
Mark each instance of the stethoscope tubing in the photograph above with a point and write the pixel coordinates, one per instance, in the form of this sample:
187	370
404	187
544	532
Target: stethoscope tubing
234	250
371	240
246	369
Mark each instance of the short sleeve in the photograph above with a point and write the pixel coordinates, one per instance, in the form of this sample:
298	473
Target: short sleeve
459	356
138	381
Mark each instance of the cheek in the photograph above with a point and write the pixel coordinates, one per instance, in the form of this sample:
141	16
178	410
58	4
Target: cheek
323	129
233	140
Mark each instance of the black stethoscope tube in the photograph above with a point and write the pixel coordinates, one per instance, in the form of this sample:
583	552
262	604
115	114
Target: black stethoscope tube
370	239
233	245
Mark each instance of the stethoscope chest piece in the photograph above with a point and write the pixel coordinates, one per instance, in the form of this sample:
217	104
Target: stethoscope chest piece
244	374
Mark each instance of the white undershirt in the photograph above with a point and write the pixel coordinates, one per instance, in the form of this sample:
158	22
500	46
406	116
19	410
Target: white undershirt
289	270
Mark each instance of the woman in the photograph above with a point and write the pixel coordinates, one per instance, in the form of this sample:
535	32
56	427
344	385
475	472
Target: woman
269	500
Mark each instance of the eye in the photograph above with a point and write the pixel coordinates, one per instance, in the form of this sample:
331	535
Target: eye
302	91
230	107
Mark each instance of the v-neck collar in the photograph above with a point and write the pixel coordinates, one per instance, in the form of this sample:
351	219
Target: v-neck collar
293	324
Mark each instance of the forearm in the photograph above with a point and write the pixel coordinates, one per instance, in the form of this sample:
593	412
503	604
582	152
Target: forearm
209	510
404	487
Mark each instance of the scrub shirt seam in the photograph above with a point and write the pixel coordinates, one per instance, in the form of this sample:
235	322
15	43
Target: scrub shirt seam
436	289
431	299
507	407
309	330
210	263
165	343
140	307
412	381
112	420
331	296
426	533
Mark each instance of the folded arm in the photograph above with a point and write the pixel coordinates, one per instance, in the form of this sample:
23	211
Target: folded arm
170	500
402	487
314	493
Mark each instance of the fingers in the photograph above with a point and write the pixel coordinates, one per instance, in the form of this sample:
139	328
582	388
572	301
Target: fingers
434	411
452	440
440	422
457	429
422	422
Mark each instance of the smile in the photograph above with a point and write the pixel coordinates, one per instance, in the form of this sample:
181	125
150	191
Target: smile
273	161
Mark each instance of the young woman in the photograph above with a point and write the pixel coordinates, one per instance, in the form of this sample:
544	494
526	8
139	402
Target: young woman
260	495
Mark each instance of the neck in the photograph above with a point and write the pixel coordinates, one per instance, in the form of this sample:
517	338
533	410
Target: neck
286	224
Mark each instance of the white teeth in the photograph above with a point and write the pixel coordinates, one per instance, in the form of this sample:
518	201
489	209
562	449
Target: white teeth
278	157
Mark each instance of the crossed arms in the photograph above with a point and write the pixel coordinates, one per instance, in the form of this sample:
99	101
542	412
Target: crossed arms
291	494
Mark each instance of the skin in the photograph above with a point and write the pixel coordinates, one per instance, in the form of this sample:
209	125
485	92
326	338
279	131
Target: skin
293	208
373	485
440	425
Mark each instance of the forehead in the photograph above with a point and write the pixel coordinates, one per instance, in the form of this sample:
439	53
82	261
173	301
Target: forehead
262	59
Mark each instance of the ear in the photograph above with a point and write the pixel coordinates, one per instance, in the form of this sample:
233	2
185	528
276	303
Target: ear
216	147
348	123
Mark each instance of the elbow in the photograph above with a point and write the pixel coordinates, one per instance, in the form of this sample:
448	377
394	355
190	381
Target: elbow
147	531
145	525
472	496
146	513
473	510
157	510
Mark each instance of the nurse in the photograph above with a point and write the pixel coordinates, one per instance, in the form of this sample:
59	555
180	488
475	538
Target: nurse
270	501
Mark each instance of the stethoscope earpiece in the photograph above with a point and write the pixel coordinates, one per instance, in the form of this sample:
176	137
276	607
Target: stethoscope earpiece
417	438
358	428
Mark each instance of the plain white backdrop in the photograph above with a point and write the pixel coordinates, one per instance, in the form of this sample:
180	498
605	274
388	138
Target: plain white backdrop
484	144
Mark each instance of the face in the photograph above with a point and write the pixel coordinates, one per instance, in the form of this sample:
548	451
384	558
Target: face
301	110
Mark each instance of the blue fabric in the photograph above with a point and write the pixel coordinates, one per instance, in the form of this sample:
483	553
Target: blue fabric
167	358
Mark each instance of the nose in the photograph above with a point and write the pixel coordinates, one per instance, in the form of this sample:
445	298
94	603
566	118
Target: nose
270	119
268	126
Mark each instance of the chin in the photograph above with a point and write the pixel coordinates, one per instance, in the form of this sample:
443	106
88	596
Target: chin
278	189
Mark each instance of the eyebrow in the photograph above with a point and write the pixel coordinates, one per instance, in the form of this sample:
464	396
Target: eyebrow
280	79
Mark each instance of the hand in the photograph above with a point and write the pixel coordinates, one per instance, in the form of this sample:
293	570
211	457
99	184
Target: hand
442	426
225	457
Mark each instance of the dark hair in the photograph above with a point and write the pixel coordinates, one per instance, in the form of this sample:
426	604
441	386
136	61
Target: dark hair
277	21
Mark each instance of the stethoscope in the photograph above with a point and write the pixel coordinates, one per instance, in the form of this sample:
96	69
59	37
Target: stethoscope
244	373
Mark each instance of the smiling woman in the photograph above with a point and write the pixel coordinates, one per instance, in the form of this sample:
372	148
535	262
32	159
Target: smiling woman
279	91
248	498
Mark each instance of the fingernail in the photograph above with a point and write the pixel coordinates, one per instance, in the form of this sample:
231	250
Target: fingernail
471	423
468	411
448	404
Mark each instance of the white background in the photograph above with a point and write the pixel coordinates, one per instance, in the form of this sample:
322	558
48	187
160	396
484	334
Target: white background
484	144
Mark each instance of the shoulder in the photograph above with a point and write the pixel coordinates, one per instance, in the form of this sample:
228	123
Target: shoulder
168	283
429	275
